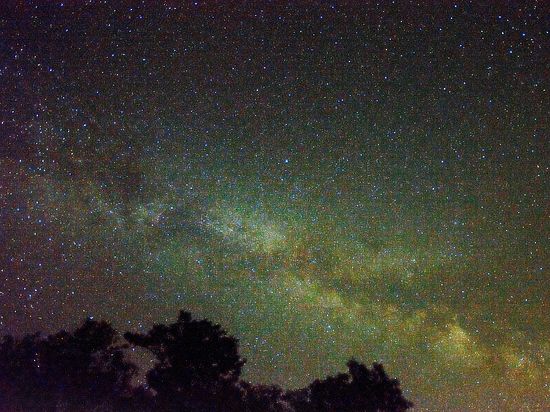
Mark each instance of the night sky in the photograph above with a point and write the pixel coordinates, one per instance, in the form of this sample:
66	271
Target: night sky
324	179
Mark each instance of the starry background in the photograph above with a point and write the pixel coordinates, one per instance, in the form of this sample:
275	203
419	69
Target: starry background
324	179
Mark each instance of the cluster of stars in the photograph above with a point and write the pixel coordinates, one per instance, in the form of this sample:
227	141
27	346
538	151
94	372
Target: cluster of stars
326	180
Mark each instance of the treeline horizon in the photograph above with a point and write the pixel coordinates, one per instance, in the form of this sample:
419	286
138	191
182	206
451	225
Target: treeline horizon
197	369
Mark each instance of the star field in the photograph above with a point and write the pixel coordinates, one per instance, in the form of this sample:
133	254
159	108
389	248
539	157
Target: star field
325	179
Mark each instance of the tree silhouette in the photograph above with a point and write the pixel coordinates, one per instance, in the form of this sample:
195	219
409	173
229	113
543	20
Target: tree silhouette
360	390
265	398
198	365
76	371
197	368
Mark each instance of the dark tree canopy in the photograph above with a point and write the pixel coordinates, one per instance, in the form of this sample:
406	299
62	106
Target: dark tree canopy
361	389
197	368
198	364
265	398
66	371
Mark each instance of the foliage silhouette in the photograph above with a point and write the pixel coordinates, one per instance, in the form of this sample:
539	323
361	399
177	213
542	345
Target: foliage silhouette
198	365
362	389
83	370
197	368
265	398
